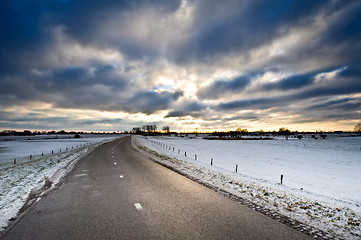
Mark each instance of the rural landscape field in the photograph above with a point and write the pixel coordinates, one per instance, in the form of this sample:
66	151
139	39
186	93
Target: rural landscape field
180	119
320	186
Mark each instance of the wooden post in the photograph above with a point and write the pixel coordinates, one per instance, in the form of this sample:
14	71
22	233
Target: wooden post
14	160
281	179
195	156
178	151
185	153
42	154
211	161
31	156
52	151
236	167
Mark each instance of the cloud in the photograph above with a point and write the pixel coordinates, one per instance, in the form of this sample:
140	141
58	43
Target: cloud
223	28
187	108
222	87
149	101
310	100
292	82
208	60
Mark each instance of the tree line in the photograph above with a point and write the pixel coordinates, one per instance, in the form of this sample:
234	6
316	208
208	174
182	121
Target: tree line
283	131
33	133
150	130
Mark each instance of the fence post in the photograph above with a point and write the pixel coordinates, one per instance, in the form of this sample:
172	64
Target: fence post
14	160
195	156
185	153
281	179
211	161
31	156
236	167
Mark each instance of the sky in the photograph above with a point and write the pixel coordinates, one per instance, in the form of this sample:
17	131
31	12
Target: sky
202	65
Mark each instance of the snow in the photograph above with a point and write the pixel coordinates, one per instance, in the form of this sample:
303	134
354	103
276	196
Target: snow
18	180
321	178
20	148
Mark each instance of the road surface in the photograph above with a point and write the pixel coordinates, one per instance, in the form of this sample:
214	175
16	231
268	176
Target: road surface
117	193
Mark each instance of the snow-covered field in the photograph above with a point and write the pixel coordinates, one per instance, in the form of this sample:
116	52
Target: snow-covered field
20	148
321	178
18	180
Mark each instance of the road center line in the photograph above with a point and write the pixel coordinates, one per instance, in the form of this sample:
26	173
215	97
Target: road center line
138	206
81	175
121	176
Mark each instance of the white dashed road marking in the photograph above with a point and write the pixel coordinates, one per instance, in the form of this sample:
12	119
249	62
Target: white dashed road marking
115	163
81	175
121	176
138	206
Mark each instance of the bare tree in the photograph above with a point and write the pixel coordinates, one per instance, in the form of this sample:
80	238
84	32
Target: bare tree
166	129
137	130
357	128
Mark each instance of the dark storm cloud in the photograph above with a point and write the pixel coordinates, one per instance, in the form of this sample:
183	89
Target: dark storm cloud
190	108
68	84
244	25
149	101
330	110
27	28
222	87
345	81
342	36
100	121
40	60
352	71
292	82
80	19
41	121
245	116
83	77
258	103
295	81
26	39
343	104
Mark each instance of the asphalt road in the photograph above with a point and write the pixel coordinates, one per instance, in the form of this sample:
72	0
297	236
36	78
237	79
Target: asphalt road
117	193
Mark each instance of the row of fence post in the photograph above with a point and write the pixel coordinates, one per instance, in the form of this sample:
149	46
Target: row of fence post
185	153
195	157
66	149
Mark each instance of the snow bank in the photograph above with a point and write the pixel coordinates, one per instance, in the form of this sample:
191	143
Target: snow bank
18	181
321	185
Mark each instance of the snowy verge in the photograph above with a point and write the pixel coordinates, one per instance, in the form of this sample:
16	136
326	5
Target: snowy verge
23	184
317	219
